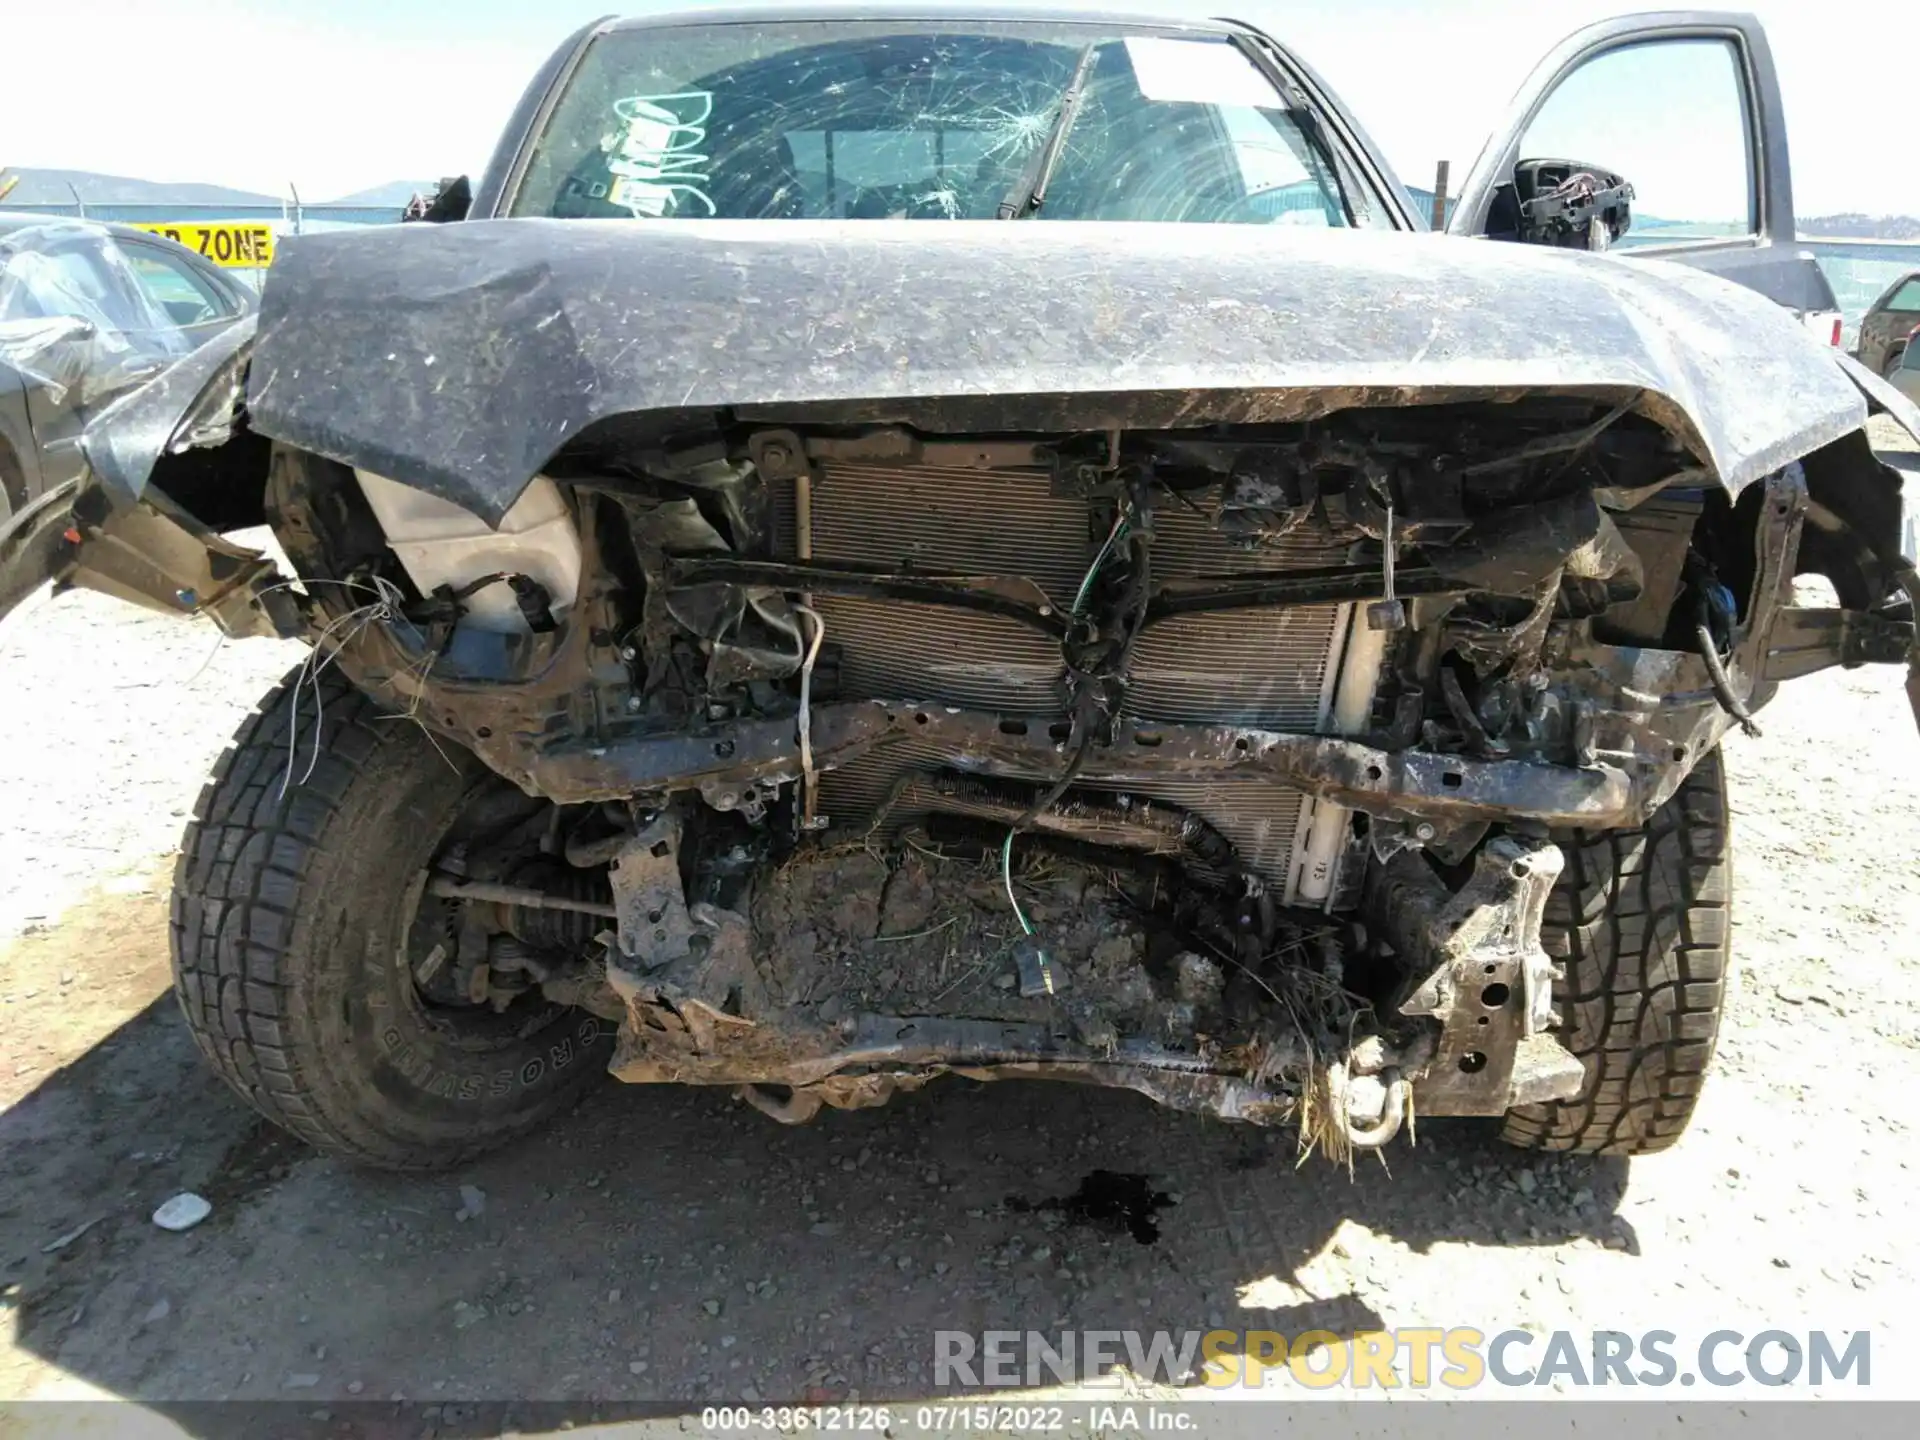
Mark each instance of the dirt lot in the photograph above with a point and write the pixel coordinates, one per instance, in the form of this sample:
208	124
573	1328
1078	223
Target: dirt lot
677	1245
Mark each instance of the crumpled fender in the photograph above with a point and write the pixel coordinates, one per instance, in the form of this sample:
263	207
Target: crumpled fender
112	530
195	401
150	553
1882	397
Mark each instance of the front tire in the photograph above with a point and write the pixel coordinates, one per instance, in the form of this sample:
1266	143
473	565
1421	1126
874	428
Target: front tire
292	919
1641	922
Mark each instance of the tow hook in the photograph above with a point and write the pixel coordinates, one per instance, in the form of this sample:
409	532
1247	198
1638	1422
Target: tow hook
1374	1106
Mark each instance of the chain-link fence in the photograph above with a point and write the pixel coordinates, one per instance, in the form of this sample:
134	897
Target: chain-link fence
239	238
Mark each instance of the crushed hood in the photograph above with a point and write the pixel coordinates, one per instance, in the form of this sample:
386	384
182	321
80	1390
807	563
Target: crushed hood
459	358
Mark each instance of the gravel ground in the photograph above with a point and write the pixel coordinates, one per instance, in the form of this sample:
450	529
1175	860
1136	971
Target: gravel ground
661	1244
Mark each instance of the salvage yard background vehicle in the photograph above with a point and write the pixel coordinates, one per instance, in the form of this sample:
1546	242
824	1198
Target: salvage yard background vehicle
1906	375
87	312
1888	325
759	641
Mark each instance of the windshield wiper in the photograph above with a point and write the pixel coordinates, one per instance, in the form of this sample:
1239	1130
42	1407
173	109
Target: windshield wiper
1351	191
1030	192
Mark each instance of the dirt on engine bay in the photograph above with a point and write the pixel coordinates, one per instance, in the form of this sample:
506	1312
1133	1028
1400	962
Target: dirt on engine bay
923	929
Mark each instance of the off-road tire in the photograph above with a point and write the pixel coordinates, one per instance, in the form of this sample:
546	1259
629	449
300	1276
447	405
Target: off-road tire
1640	921
289	923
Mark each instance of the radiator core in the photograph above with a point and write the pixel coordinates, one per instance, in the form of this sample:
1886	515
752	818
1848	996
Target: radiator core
1273	668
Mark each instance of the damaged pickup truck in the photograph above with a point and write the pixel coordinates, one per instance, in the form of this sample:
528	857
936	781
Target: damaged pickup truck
1274	665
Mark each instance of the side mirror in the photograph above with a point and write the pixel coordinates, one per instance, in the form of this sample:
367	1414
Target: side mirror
450	201
1569	205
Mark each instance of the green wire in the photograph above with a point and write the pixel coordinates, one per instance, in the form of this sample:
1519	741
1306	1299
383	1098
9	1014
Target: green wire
1006	873
1079	600
1113	536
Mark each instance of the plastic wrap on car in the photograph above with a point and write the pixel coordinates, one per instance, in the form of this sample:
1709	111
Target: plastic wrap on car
80	346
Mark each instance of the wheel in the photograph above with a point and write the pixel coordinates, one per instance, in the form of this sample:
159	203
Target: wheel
301	931
1640	921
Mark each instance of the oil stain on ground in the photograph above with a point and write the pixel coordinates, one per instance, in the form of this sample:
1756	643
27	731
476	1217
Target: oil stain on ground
1108	1200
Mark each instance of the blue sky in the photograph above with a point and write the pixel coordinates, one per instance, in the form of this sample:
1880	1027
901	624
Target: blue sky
336	95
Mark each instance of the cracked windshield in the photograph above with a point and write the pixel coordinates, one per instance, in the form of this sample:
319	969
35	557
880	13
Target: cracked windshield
884	121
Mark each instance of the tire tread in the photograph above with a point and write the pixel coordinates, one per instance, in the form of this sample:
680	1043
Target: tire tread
241	900
1640	922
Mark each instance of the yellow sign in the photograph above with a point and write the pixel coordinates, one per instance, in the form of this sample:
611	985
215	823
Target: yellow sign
239	246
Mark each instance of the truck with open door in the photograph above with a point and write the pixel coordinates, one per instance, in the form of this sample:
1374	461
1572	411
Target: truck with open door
1229	644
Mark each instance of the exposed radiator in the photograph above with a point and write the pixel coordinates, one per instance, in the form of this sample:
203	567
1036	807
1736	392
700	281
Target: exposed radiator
897	651
952	521
1274	668
1248	667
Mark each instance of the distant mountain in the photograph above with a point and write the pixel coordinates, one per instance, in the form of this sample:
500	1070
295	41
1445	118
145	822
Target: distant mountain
56	187
1696	229
394	192
1854	226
